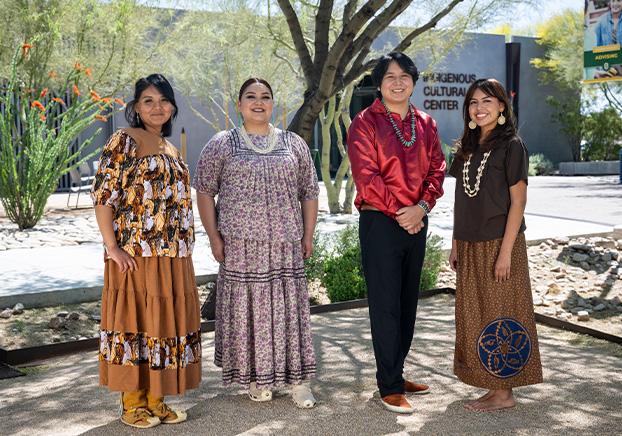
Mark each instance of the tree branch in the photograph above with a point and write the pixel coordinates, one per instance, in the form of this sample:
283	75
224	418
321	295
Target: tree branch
322	27
299	41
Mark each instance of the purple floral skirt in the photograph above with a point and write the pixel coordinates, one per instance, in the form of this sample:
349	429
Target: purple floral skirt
263	329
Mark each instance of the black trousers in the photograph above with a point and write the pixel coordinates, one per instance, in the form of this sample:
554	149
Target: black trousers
392	263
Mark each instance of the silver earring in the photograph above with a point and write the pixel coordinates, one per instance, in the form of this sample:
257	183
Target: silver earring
501	120
137	118
473	125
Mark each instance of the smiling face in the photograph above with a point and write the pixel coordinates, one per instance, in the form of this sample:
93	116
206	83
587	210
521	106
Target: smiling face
616	6
256	104
396	87
485	110
154	109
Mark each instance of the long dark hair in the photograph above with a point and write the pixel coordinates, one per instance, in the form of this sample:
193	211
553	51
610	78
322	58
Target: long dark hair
469	142
161	84
252	80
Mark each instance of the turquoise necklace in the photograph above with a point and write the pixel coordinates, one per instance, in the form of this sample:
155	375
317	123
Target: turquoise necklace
397	130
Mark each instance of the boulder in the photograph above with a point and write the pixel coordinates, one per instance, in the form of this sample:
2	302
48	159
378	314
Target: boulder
56	323
62	314
6	313
599	307
73	316
18	309
580	257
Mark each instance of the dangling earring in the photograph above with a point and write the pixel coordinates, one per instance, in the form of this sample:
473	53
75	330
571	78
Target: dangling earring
137	118
472	125
501	120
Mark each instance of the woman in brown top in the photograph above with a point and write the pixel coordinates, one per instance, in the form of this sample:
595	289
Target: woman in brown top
496	337
150	329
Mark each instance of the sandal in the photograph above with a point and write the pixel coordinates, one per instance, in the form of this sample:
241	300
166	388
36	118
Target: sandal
303	397
259	395
139	418
166	415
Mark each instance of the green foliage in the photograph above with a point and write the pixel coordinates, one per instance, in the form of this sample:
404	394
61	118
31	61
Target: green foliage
433	262
562	67
539	165
36	139
603	135
449	152
343	271
336	262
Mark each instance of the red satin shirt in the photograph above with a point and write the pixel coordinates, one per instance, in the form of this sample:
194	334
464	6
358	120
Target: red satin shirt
389	176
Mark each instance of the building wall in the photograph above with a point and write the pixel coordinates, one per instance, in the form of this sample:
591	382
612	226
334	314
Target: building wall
479	55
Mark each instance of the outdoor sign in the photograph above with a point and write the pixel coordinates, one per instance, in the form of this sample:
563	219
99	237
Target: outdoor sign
602	57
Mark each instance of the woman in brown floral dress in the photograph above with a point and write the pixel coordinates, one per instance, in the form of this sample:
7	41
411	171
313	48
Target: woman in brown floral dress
496	337
150	330
260	230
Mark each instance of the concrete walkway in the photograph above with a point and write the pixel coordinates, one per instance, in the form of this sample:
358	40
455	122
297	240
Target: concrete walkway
581	393
557	206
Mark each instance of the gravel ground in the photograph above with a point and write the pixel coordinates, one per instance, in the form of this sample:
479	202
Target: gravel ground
581	393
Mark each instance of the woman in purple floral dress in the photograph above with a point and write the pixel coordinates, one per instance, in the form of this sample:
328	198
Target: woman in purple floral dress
260	230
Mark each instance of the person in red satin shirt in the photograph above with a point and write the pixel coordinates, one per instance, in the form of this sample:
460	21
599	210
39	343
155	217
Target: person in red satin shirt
398	168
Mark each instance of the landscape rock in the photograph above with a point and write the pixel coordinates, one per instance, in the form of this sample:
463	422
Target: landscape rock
583	316
56	323
6	313
599	307
62	314
18	309
73	316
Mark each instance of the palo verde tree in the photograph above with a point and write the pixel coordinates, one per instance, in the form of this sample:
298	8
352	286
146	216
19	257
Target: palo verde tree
332	58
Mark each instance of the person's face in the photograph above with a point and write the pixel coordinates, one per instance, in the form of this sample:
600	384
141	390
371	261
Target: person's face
485	110
397	85
616	6
154	108
256	104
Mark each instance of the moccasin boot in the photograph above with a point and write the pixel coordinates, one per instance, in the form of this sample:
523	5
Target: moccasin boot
161	410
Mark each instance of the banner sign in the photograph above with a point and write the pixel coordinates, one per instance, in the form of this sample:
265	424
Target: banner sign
602	57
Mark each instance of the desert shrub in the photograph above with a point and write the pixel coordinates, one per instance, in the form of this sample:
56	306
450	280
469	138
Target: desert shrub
539	165
314	265
434	259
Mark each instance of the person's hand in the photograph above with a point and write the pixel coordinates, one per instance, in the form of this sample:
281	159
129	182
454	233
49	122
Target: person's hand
307	247
502	267
410	218
218	248
453	259
123	260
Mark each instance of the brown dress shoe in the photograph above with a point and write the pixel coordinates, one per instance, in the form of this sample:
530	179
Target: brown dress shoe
416	388
397	403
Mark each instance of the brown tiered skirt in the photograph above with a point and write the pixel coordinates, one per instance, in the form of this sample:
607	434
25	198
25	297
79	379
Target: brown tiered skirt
496	337
150	334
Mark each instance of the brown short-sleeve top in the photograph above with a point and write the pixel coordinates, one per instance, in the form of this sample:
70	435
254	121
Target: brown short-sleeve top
144	180
483	217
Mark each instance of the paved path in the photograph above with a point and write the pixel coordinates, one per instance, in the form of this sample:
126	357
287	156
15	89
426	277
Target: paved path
581	394
557	206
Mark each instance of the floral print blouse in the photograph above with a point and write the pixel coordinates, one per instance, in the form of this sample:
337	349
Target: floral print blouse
150	196
258	194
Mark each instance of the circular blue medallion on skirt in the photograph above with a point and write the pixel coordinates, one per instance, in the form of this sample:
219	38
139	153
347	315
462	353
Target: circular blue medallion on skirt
504	347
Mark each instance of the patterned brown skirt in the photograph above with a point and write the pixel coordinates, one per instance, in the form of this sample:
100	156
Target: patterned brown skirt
151	327
496	337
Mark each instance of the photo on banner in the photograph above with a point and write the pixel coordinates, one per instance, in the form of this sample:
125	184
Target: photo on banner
602	58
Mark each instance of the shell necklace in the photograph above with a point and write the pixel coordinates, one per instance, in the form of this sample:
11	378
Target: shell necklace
271	140
397	130
472	192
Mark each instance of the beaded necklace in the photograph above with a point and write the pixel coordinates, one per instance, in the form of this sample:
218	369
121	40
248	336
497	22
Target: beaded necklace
397	130
472	192
271	140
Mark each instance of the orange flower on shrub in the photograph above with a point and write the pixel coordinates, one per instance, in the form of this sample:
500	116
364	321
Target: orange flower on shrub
95	96
106	100
119	101
76	90
88	72
44	92
77	66
59	100
101	118
38	105
42	117
25	49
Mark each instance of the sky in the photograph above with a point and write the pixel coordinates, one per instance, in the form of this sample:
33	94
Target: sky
523	16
